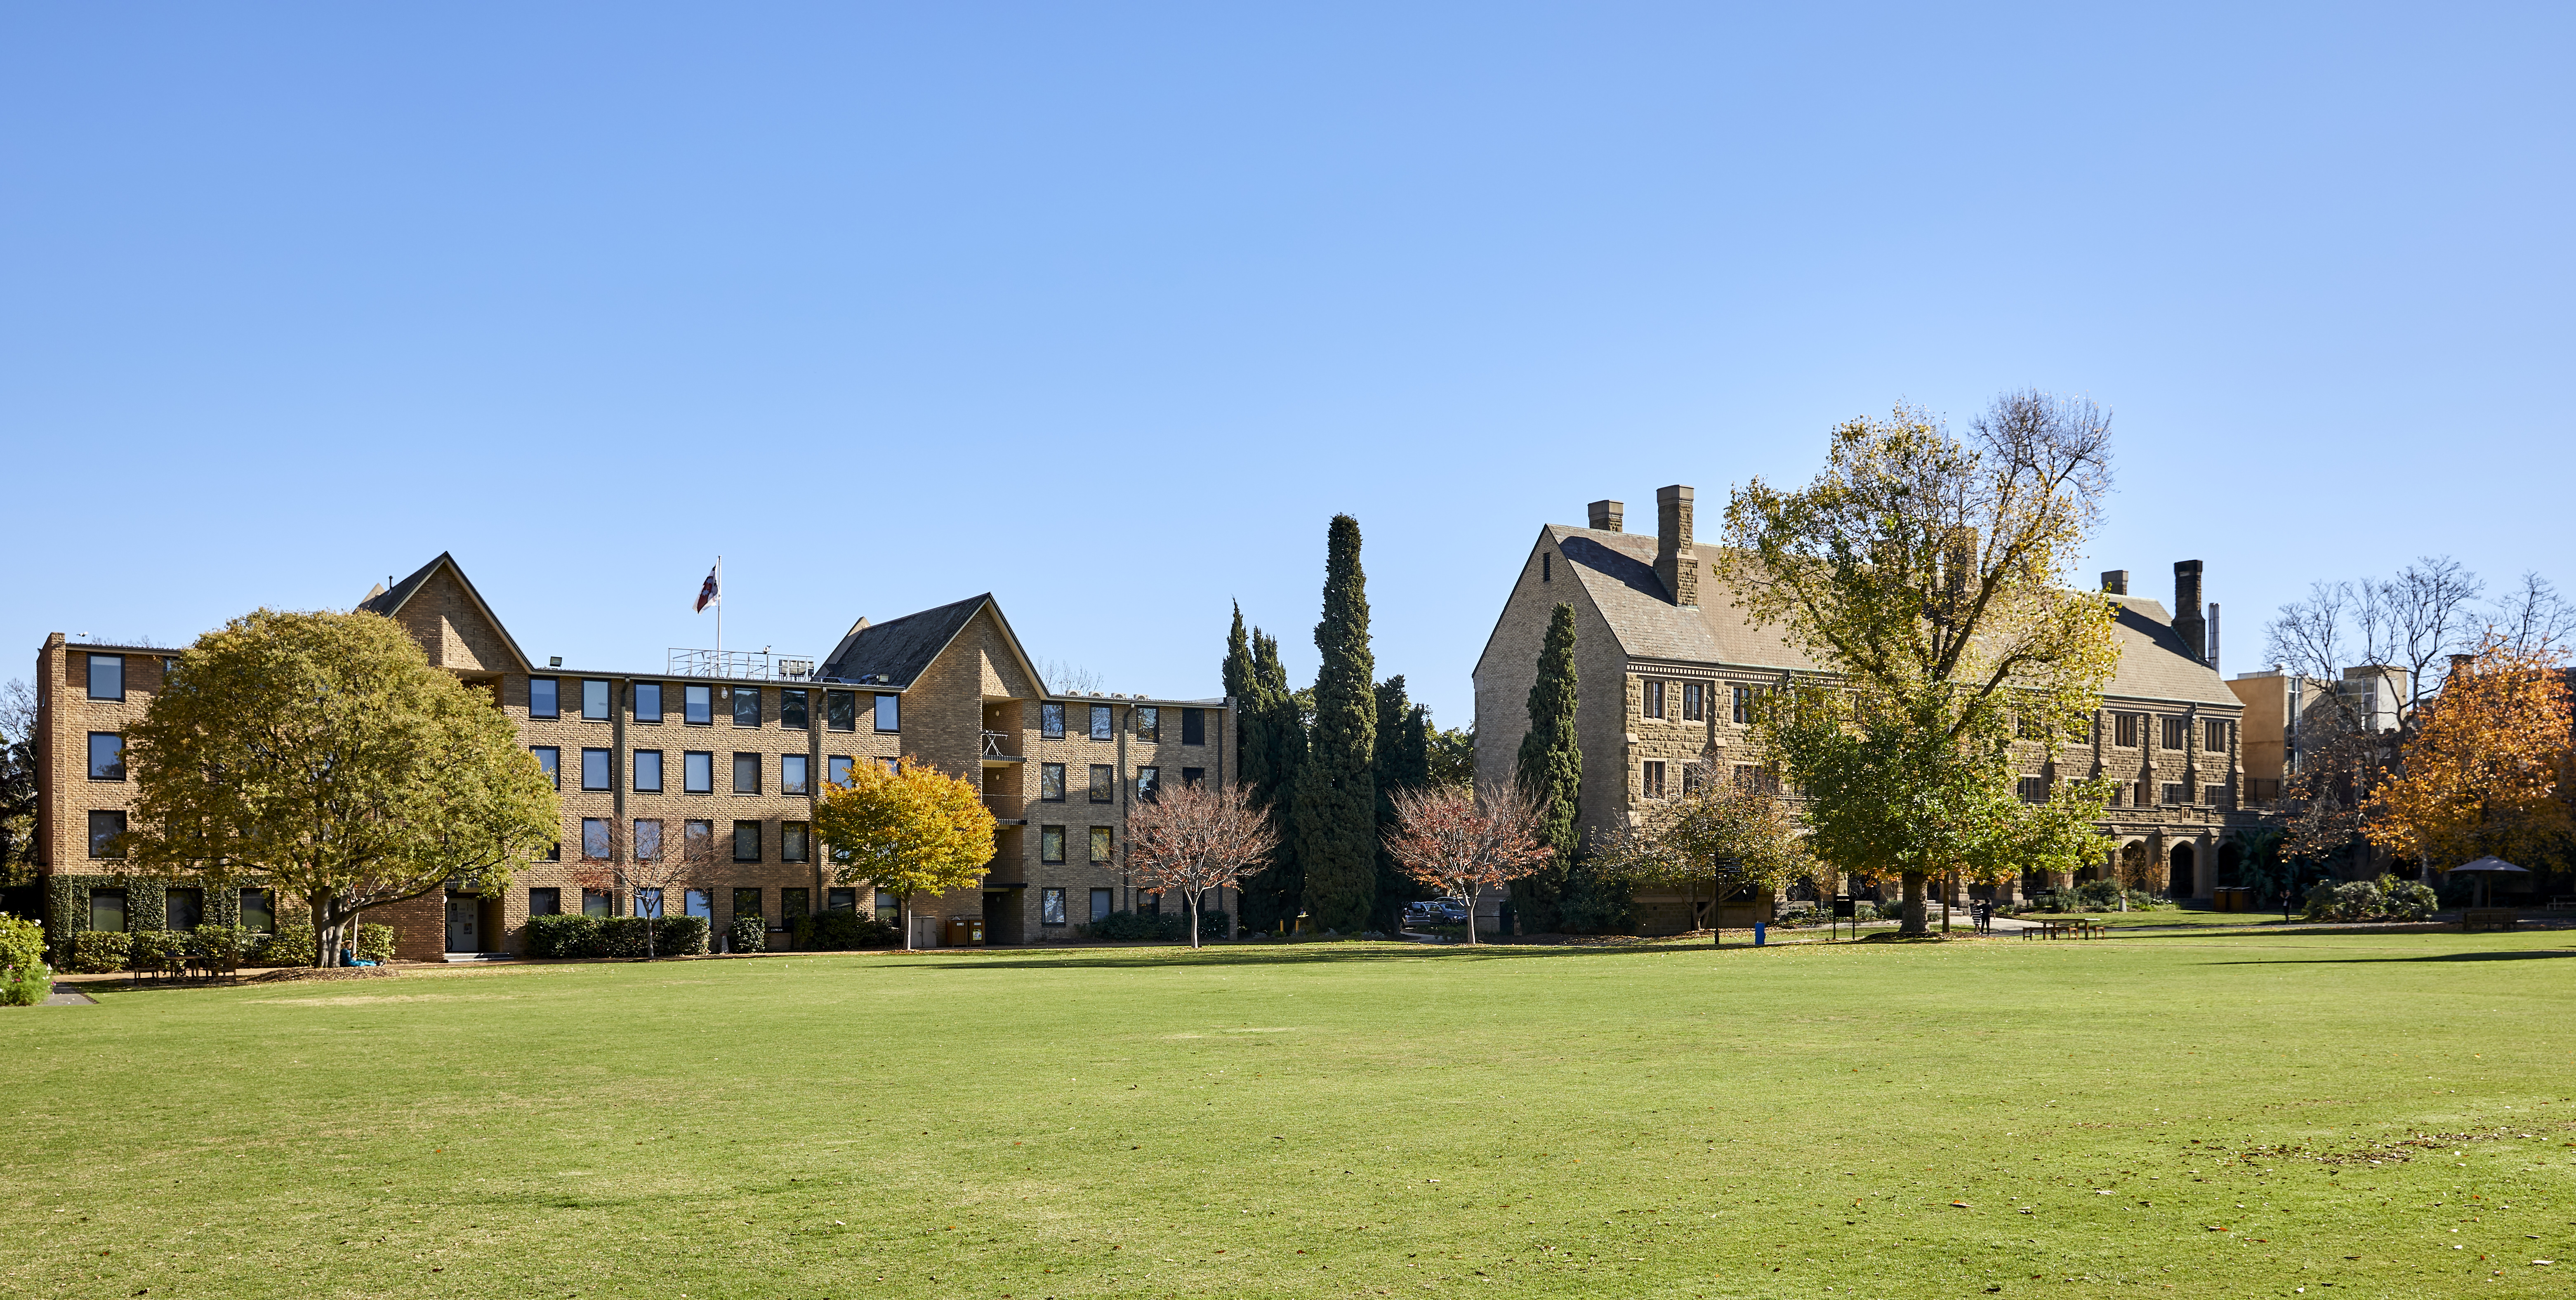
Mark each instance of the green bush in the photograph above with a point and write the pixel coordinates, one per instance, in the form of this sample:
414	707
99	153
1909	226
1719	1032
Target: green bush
98	952
25	985
22	942
375	942
292	945
846	931
150	949
615	936
1172	926
215	940
747	934
2384	899
2411	900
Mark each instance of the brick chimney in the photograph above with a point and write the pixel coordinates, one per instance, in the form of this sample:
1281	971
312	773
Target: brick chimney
2212	657
2188	623
1605	516
2116	581
1675	565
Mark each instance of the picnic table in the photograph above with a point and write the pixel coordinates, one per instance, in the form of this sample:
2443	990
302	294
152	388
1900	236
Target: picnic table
2082	927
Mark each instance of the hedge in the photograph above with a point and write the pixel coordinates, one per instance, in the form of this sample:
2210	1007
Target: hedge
1173	926
747	934
615	936
98	952
147	903
845	931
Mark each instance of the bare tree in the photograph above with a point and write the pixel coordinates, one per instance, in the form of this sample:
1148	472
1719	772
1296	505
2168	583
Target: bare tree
1462	844
2532	619
1068	679
1196	838
635	859
2414	621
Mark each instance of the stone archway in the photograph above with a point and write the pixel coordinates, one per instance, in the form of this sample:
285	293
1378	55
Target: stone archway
2133	865
2185	859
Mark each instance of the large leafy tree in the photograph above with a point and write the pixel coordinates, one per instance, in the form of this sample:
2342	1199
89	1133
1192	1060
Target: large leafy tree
908	829
2487	764
323	755
1334	819
1930	574
1270	742
1403	763
1550	771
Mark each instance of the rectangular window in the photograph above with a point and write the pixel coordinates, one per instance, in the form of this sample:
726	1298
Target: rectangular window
2177	733
746	901
2215	732
1149	782
1051	782
2138	795
1100	904
792	840
1104	783
105	826
1694	701
1149	722
1653	706
700	903
746	774
1651	779
697	772
1743	697
840	900
1191	776
746	706
698	840
2176	794
698	705
648	902
793	903
595	902
1100	844
2033	789
1051	844
1101	726
836	769
1690	780
550	762
594	770
889	907
594	699
1193	726
594	838
889	713
1051	721
107	910
107	677
2213	795
841	710
2124	729
106	756
648	701
1050	907
541	698
791	710
648	770
648	839
791	775
258	911
183	909
1763	780
746	841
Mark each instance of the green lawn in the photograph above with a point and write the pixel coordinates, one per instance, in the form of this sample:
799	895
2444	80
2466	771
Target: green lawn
1324	1119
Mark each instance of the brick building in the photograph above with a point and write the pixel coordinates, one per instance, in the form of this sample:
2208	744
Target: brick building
1667	670
728	750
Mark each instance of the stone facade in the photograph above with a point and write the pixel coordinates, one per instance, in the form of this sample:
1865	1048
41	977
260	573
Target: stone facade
1667	664
719	755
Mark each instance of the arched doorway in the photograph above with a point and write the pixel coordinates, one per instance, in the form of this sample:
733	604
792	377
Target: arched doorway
2180	880
2133	865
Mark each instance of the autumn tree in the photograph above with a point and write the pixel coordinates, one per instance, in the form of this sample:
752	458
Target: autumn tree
1722	836
322	754
1462	842
907	829
1930	574
2487	763
636	860
1197	838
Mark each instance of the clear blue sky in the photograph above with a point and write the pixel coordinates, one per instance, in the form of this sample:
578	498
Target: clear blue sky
1107	309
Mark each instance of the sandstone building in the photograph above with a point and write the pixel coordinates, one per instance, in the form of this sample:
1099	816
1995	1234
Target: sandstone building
731	751
1668	668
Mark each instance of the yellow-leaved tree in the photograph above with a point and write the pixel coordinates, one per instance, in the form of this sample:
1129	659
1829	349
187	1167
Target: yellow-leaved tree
906	829
2488	764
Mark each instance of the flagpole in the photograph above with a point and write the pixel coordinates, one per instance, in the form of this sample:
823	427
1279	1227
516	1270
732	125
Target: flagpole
720	614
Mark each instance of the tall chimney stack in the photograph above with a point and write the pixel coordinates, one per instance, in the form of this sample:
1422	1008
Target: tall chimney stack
1606	516
2188	623
2116	581
2213	636
1675	565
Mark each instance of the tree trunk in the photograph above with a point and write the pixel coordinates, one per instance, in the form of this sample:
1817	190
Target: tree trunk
324	930
1193	901
1471	916
903	917
1914	920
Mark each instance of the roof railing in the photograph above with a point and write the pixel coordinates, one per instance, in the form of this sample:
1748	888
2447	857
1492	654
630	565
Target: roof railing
757	665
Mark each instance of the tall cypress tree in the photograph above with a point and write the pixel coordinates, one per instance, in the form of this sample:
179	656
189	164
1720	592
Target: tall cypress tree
1403	763
1270	737
1335	821
1551	770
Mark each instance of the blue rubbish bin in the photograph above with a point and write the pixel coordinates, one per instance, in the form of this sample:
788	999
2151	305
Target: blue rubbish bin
1758	928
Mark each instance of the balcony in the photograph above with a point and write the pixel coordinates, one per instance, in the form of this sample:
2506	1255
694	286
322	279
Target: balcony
1008	809
1001	747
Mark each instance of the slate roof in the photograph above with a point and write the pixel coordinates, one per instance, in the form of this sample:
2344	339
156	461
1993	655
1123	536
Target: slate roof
899	649
1617	571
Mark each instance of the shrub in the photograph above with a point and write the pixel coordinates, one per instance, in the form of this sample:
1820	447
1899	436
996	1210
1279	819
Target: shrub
292	945
22	942
375	942
2410	900
97	952
747	934
25	985
149	949
213	940
615	936
845	931
2344	900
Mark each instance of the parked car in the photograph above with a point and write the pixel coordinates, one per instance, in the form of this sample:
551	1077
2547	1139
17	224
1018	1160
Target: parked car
1436	911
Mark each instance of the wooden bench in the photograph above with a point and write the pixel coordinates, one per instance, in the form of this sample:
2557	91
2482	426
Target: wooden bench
2490	918
2081	928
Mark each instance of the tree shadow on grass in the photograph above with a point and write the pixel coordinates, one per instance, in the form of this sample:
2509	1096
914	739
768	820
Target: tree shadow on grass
2382	961
1290	955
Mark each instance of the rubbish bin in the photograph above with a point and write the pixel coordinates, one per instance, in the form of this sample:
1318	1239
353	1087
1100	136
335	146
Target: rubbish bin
964	932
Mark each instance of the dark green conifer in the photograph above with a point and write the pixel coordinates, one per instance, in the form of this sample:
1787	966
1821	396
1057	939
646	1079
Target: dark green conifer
1403	763
1551	770
1270	736
1335	812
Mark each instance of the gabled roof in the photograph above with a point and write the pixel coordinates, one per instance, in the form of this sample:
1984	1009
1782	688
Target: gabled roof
1617	572
895	652
390	602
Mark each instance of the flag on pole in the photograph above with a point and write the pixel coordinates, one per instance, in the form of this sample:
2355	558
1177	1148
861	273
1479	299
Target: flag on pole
711	589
